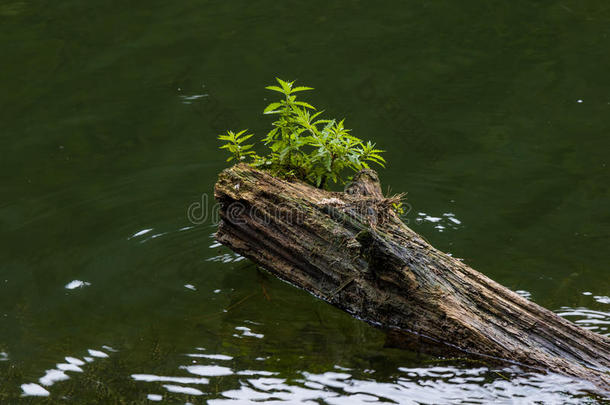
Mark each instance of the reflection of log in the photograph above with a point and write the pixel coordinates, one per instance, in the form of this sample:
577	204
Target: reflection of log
351	250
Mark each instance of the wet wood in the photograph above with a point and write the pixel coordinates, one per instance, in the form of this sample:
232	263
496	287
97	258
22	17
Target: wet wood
351	250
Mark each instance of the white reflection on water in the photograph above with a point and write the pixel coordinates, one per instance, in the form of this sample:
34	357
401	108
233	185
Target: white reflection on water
256	372
182	390
161	378
154	397
409	385
74	360
447	220
34	390
247	332
208	371
144	235
53	375
69	367
97	353
210	356
76	284
342	385
434	385
602	299
189	99
595	320
140	233
525	294
226	258
598	321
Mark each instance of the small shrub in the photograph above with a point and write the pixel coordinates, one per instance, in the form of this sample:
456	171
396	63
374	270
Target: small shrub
302	144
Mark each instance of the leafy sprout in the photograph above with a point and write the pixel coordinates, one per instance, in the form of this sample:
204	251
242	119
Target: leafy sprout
235	147
302	144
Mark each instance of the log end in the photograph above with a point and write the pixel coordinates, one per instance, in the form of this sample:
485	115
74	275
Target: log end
365	183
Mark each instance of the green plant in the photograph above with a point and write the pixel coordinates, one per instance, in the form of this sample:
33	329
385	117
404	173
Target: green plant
235	147
303	145
398	207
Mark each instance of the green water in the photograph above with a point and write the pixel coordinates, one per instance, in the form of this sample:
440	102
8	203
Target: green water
495	116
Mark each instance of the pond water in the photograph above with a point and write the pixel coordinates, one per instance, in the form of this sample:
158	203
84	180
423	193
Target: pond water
495	117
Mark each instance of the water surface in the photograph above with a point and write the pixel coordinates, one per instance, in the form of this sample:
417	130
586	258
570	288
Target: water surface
495	117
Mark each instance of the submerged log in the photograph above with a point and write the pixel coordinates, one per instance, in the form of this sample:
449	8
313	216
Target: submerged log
351	250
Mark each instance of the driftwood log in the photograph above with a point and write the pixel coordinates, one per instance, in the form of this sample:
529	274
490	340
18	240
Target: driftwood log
351	250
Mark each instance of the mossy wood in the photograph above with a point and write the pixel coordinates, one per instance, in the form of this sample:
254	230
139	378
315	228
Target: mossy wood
351	250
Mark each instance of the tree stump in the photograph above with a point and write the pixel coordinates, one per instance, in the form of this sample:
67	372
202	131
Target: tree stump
351	250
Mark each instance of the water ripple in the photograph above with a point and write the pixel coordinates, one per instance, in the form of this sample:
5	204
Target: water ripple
438	385
57	374
447	220
598	321
340	385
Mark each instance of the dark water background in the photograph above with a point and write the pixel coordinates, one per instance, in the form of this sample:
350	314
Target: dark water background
495	116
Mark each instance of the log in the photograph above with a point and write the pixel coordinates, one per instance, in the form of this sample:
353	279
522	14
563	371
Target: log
351	250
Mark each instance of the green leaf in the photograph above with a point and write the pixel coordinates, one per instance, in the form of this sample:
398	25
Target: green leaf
271	108
301	88
378	162
244	138
304	104
284	153
281	82
275	88
286	86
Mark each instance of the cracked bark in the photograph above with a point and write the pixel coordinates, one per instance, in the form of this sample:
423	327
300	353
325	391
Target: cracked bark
350	250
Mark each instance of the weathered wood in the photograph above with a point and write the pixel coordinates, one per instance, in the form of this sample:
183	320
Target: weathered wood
351	250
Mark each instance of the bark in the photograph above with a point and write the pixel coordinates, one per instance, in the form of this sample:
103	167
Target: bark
351	250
